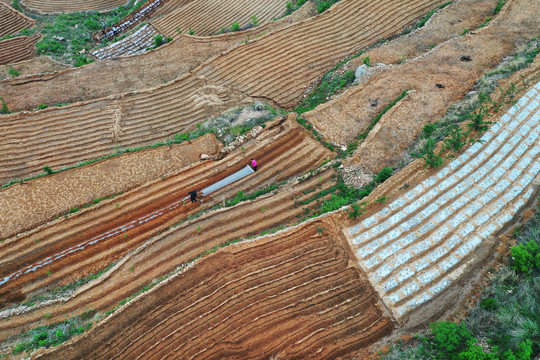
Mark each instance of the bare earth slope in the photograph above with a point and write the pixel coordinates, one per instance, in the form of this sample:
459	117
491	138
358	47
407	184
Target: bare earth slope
295	294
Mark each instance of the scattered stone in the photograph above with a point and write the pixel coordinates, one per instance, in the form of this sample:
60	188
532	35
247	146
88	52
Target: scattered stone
206	157
59	38
360	71
465	58
355	177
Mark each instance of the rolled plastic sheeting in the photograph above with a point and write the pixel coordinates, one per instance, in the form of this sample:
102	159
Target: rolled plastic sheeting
228	180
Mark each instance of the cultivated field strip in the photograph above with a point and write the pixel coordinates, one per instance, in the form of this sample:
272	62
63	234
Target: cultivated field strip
67	6
59	238
17	49
284	63
207	17
134	44
65	136
12	21
295	294
26	206
425	240
159	256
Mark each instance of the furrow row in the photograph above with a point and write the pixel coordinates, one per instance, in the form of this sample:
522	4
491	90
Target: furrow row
417	246
207	17
300	59
17	49
12	21
276	284
65	6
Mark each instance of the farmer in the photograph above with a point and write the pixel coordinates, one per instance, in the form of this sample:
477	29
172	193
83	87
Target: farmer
254	164
193	195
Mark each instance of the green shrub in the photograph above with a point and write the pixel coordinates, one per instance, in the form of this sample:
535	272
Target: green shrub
526	257
48	170
4	109
235	26
367	61
489	304
499	6
254	21
14	73
428	154
448	340
384	174
428	130
42	106
457	138
191	32
158	41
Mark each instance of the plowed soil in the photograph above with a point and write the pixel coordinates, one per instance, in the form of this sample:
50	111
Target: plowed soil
26	205
280	158
17	49
12	21
61	6
295	294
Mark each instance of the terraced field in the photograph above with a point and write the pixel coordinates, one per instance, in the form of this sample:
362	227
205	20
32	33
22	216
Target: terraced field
65	6
207	17
98	128
436	81
295	295
252	270
12	21
299	62
17	49
427	239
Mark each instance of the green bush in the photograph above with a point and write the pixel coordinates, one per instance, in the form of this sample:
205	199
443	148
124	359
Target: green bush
489	304
158	41
42	106
4	109
448	340
235	26
428	130
14	73
384	174
428	154
48	170
526	257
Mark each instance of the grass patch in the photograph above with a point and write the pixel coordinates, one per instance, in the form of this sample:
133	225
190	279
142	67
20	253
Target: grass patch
330	84
55	334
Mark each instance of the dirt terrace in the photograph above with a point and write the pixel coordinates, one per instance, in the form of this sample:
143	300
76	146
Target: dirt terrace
207	17
282	156
25	206
443	65
60	6
13	21
295	294
18	49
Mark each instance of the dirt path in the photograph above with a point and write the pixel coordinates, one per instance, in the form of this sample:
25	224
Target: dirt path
299	284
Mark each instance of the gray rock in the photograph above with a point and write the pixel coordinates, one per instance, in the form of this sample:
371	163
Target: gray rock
360	71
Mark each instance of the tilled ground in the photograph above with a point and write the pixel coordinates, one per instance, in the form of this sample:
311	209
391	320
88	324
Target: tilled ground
294	295
283	157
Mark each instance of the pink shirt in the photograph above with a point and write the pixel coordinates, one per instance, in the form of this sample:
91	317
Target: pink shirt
253	163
